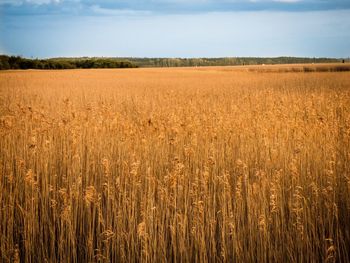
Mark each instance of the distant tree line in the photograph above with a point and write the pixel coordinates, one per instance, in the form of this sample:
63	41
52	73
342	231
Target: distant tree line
225	61
17	62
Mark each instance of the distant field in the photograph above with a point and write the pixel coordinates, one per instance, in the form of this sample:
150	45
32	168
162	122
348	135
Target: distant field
212	164
326	67
283	68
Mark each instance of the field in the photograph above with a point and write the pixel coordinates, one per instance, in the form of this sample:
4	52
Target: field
246	164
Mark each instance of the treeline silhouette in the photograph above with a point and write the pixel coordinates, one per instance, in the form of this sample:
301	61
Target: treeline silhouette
17	62
225	61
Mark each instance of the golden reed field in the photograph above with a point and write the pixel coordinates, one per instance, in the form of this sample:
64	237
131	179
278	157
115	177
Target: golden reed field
175	165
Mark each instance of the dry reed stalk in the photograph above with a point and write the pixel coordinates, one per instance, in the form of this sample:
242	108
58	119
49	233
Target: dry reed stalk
181	165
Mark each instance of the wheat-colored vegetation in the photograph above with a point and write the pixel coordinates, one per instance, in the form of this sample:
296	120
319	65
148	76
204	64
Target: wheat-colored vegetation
174	165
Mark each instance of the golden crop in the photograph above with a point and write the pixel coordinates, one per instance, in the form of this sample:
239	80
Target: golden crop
174	165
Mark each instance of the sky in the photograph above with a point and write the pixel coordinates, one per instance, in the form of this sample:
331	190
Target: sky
175	28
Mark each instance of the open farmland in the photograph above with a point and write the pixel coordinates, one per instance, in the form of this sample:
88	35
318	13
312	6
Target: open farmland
175	165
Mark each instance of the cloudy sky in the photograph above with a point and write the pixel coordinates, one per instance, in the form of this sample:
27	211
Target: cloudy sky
175	28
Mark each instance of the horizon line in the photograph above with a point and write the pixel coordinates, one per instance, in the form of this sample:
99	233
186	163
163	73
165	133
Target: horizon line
171	57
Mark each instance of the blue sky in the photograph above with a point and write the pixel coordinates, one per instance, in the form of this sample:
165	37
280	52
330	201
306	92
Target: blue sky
175	28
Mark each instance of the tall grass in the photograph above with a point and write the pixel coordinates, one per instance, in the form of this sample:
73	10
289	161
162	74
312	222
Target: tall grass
174	165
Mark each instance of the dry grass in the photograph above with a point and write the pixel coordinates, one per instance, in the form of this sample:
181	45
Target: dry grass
328	67
174	165
284	68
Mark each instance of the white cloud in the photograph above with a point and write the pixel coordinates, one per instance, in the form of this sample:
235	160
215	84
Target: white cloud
276	1
40	2
117	12
287	1
35	2
12	2
184	1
